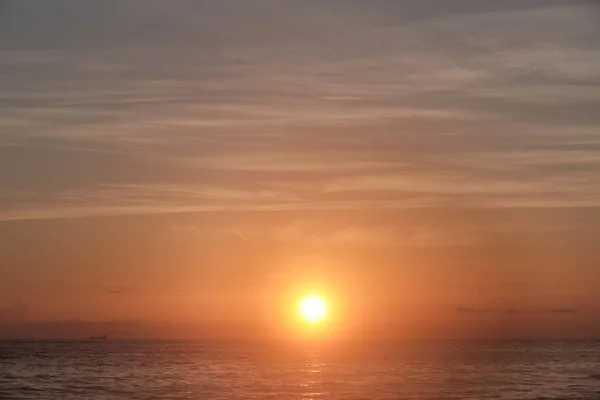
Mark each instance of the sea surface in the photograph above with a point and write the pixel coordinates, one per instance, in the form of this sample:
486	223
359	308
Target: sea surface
144	370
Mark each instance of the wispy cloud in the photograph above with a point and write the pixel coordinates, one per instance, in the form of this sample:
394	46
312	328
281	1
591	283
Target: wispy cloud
15	313
564	311
469	310
514	311
366	107
121	290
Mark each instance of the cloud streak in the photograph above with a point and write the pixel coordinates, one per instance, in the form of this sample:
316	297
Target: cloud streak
365	108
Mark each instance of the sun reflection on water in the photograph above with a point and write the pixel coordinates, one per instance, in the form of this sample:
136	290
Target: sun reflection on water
312	375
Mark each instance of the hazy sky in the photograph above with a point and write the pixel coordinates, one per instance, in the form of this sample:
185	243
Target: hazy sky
430	163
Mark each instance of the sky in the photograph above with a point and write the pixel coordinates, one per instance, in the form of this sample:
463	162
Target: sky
181	168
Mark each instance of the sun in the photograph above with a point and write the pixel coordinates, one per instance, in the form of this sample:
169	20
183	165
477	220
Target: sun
312	308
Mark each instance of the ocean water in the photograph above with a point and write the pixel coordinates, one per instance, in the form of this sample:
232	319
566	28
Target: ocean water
142	370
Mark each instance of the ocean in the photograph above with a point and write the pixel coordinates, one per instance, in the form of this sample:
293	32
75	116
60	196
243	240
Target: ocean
144	370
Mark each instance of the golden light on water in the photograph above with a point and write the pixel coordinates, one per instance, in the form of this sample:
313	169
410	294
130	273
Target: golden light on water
312	308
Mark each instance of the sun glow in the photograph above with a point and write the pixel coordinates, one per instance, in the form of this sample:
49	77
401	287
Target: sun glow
312	308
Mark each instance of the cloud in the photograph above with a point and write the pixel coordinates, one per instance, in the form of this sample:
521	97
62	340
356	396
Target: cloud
124	329
469	310
510	311
378	105
514	311
15	313
564	311
121	290
73	329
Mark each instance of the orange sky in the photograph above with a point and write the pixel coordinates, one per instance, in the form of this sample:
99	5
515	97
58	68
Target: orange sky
433	169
